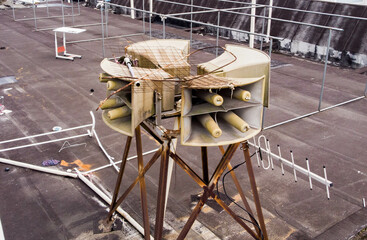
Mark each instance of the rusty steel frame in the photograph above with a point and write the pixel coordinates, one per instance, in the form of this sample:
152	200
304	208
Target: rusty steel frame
241	192
207	184
204	159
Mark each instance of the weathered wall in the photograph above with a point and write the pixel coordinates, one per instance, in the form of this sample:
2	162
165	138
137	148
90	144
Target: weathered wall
348	48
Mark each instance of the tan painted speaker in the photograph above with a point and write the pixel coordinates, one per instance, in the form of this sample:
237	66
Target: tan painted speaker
243	87
170	55
250	63
237	120
125	110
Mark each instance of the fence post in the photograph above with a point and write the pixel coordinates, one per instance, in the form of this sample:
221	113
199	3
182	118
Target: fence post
325	68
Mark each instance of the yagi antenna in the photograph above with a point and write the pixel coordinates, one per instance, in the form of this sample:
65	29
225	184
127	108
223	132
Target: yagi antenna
282	161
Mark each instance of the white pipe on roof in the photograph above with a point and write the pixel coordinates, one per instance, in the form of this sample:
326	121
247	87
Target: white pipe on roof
34	167
269	20
2	237
132	5
252	24
107	199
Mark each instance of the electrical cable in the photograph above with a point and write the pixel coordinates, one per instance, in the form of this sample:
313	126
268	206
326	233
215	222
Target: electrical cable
255	223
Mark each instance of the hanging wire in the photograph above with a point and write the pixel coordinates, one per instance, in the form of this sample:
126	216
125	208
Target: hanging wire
254	222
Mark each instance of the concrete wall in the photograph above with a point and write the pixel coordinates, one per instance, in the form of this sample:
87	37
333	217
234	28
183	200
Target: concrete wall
348	48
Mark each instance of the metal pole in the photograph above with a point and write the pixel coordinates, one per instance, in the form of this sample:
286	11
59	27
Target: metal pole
121	172
47	8
34	15
2	237
262	31
13	8
37	168
132	6
143	191
217	40
164	26
144	16
251	176
252	23
221	27
161	198
108	200
326	185
269	20
191	8
63	14
102	25
270	47
150	26
365	90
64	42
204	159
325	68
106	6
72	11
239	189
300	10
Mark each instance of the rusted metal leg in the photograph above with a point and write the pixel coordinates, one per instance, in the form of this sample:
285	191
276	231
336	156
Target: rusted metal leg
204	159
240	191
194	215
143	192
151	133
251	176
234	216
137	179
161	201
227	156
213	181
187	169
121	173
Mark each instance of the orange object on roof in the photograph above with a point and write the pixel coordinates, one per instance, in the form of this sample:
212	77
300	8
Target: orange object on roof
61	49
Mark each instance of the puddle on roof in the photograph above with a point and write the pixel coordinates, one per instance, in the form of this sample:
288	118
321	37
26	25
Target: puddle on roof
7	80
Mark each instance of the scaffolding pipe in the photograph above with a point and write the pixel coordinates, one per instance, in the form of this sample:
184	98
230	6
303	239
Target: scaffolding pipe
132	5
269	20
222	27
37	168
300	10
107	199
45	134
252	23
2	237
325	69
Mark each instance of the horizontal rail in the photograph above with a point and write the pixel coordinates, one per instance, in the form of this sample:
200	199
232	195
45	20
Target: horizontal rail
97	39
58	16
45	142
226	28
287	21
45	134
258	16
207	11
301	10
185	4
315	112
84	25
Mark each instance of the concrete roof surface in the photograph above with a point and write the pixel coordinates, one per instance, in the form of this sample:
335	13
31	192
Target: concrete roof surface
52	92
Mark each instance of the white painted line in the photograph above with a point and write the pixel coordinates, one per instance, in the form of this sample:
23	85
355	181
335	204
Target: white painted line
2	237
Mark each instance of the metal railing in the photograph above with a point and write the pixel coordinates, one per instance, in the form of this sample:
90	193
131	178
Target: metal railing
35	18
